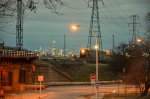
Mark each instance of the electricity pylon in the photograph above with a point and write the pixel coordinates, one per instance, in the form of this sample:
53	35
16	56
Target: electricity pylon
134	29
94	25
19	25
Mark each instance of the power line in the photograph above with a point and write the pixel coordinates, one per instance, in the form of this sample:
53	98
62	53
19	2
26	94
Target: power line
111	16
117	13
7	31
112	20
120	8
75	8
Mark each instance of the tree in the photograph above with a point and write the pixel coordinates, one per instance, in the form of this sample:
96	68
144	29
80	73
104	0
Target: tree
7	10
9	7
118	58
147	50
134	59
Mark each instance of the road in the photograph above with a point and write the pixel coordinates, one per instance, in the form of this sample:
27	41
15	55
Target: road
81	92
71	92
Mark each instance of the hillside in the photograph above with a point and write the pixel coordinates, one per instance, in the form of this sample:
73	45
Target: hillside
79	70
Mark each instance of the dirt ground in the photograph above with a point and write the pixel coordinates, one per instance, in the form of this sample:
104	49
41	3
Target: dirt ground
127	96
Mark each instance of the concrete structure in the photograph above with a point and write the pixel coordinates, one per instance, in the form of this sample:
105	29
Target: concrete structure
15	68
17	72
49	73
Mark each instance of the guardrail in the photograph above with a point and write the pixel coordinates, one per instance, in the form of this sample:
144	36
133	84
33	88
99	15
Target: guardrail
79	83
16	53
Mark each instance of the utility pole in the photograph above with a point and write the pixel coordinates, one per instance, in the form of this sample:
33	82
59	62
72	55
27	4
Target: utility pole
134	30
64	45
19	25
113	45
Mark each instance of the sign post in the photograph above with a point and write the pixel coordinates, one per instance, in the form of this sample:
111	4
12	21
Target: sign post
40	79
92	77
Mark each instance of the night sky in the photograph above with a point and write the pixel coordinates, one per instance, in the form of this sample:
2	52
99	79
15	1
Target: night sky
44	27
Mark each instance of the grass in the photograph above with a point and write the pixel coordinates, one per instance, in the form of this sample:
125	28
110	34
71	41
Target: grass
105	72
80	71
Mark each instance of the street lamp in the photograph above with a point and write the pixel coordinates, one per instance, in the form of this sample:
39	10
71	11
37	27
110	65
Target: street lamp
75	27
139	40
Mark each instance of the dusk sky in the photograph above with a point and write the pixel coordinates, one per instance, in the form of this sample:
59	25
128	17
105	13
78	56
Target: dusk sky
44	27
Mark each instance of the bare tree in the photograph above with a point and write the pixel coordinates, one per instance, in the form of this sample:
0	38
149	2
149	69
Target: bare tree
135	60
8	8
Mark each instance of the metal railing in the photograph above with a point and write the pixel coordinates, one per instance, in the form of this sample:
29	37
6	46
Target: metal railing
16	53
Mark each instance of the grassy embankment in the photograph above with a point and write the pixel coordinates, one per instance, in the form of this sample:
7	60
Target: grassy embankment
81	72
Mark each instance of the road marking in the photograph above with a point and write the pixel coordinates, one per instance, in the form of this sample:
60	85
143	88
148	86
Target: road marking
47	95
51	92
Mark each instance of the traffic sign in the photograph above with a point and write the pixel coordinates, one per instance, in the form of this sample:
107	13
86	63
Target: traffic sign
92	76
40	78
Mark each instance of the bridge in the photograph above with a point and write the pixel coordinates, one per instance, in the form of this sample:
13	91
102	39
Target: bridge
16	67
17	53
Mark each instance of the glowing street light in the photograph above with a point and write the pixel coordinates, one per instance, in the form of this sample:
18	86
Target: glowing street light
139	40
75	27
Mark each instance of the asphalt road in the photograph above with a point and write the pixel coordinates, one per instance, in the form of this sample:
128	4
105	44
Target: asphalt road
69	92
82	92
72	92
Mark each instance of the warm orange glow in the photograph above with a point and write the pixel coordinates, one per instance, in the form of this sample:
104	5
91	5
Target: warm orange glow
108	52
139	40
74	27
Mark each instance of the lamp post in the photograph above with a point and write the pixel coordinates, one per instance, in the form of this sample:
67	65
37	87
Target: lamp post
75	27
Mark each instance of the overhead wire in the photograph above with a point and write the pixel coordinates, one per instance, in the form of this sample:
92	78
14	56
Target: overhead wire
117	13
112	15
75	8
108	18
113	20
118	5
121	10
67	5
7	31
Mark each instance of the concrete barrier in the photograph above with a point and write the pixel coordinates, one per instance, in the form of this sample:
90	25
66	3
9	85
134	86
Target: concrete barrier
31	87
79	83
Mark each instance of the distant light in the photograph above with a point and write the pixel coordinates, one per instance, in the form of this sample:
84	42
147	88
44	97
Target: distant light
83	51
108	52
53	42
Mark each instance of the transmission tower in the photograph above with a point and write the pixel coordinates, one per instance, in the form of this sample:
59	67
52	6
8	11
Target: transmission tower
19	25
134	29
94	25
